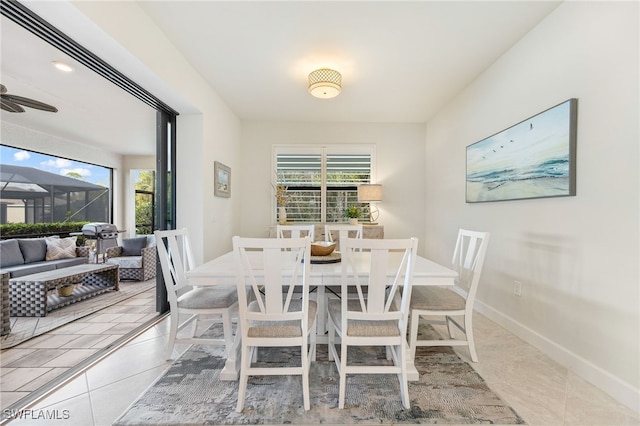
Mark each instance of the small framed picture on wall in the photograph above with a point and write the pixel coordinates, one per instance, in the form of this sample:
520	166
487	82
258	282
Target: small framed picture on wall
221	180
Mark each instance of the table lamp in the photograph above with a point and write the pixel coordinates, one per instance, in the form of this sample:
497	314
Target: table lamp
370	193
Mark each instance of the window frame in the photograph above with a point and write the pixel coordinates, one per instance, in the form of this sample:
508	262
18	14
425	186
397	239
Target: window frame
324	150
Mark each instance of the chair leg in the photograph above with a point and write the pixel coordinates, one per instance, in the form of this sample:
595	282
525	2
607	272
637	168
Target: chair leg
228	333
312	340
343	375
450	329
468	329
323	302
242	385
194	325
404	385
332	340
305	376
415	320
173	331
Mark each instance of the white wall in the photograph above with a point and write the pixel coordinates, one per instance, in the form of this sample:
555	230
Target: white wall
577	257
399	161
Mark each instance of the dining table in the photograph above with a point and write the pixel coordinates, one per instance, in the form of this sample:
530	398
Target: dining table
222	270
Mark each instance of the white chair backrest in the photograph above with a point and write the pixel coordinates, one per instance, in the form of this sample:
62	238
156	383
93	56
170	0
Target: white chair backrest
387	272
341	231
176	260
296	231
267	268
468	259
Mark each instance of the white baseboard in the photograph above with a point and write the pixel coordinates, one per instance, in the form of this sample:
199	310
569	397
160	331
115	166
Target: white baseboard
616	388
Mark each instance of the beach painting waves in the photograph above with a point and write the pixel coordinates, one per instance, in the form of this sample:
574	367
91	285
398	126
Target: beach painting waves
532	159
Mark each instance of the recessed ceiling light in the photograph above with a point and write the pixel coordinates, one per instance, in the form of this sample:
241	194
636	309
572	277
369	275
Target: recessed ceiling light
62	66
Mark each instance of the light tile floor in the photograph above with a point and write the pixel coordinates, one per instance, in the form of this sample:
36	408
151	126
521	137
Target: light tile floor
25	328
39	360
540	390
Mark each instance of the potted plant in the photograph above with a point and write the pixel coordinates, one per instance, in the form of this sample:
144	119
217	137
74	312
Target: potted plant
353	213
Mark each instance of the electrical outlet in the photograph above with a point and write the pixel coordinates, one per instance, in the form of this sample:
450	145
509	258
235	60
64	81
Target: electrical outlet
517	288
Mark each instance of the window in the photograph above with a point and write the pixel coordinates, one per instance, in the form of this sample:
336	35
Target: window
39	188
323	181
145	201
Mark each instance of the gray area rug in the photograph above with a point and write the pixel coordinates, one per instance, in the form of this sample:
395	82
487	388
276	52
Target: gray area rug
190	392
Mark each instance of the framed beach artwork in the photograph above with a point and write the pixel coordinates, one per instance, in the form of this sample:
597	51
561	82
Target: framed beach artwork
535	158
221	180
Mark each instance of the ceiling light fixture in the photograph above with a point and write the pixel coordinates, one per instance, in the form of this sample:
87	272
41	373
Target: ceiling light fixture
325	83
62	66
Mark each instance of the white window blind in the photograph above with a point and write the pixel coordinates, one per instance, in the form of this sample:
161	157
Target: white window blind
321	182
302	175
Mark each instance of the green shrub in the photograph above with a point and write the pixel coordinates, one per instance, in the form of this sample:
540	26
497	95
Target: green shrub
34	230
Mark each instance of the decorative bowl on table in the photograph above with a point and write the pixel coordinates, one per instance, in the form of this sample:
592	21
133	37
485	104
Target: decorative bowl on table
66	290
322	248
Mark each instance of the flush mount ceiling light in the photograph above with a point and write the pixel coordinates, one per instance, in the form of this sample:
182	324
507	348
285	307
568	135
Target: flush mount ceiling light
62	66
325	83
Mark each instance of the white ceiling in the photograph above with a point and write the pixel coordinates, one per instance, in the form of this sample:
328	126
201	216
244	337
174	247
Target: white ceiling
91	110
400	61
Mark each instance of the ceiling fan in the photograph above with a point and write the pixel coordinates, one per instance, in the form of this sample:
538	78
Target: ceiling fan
12	103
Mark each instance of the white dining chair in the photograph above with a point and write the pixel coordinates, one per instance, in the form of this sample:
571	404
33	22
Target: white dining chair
335	232
373	318
268	272
440	302
296	231
194	303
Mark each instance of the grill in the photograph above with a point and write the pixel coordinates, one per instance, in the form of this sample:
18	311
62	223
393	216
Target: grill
105	234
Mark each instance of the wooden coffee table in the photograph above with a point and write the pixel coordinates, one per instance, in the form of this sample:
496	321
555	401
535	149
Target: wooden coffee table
35	295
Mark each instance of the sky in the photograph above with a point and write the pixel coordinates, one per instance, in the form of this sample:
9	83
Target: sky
19	157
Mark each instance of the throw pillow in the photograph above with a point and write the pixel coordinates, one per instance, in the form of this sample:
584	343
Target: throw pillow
33	249
60	248
133	246
10	254
151	240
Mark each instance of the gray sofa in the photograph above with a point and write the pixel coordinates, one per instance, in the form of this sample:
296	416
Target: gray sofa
25	256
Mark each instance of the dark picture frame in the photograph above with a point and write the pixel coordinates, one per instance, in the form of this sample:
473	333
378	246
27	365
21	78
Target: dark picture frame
535	158
221	180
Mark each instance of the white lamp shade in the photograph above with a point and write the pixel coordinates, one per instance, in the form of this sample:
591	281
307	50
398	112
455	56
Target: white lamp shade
369	193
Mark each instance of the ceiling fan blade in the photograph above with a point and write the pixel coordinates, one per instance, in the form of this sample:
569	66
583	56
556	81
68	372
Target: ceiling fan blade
3	89
10	106
31	103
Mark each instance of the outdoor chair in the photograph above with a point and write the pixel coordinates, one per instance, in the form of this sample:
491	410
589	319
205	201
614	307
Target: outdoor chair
136	258
269	270
205	302
429	302
373	318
